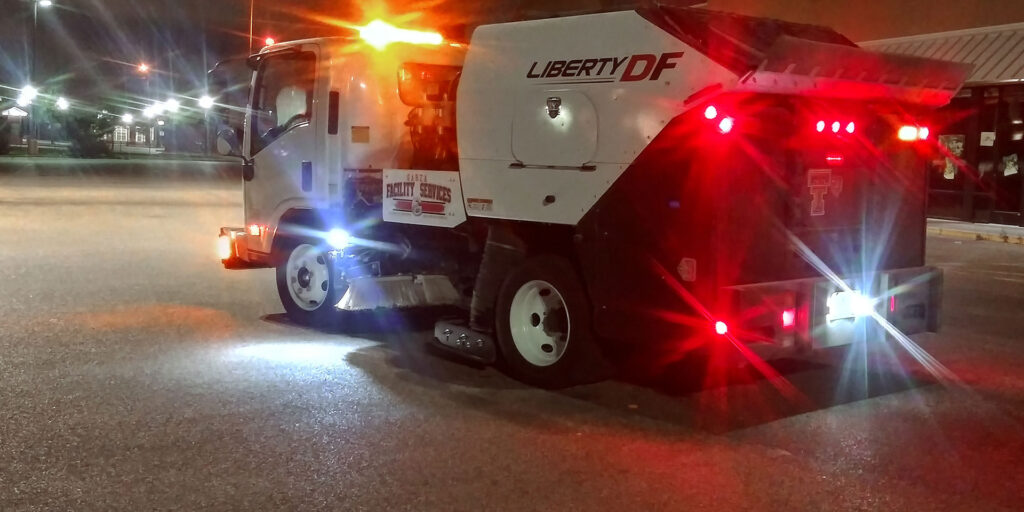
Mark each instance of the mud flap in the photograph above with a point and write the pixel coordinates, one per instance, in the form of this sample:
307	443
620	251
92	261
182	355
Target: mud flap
503	252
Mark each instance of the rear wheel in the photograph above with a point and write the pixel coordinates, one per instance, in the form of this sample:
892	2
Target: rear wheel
543	324
306	284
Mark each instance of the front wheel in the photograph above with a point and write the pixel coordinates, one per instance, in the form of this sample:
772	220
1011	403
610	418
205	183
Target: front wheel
306	285
543	324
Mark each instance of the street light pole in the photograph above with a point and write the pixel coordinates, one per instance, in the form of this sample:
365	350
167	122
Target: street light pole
33	128
252	19
33	132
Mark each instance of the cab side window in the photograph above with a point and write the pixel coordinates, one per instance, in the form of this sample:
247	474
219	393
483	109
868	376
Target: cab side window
283	97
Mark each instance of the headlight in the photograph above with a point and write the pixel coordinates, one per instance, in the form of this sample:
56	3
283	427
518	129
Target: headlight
848	304
337	238
861	305
224	249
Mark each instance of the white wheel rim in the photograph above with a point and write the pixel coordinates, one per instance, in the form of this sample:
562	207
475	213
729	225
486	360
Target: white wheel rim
308	278
539	321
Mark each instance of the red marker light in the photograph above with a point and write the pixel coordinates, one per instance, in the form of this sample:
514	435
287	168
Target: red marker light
788	318
721	328
907	132
835	126
834	159
850	127
255	229
820	126
726	124
711	112
892	304
922	132
270	41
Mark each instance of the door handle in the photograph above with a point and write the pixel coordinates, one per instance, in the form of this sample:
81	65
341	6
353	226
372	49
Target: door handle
583	168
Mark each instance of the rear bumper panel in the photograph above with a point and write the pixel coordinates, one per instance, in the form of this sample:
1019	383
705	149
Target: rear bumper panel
908	299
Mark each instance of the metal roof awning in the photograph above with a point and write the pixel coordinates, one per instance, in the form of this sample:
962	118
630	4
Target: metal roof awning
997	52
14	112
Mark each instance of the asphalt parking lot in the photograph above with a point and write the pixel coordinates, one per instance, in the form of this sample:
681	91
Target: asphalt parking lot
136	373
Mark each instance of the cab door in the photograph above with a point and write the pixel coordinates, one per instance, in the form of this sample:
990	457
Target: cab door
281	136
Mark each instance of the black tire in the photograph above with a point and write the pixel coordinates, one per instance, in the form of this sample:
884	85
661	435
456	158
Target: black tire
323	313
581	361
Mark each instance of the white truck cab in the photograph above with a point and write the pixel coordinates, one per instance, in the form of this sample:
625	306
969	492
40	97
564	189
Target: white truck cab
316	117
675	179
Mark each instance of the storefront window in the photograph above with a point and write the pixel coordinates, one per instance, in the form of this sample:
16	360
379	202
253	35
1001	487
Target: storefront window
978	177
949	171
1005	180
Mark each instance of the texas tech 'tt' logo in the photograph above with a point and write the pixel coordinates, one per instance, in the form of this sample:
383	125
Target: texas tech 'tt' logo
821	182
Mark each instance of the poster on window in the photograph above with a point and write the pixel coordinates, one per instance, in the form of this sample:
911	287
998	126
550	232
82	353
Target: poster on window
1010	165
954	146
988	139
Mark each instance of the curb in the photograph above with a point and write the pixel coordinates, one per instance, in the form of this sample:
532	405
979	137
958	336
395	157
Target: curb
971	235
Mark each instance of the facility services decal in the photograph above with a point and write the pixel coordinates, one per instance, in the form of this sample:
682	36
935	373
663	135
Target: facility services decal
432	198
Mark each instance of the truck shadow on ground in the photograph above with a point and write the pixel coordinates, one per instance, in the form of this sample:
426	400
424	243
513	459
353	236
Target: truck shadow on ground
688	393
721	399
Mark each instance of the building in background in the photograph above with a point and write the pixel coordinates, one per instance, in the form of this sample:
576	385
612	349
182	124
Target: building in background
983	128
11	126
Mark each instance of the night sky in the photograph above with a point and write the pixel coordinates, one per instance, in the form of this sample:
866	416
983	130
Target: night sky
88	48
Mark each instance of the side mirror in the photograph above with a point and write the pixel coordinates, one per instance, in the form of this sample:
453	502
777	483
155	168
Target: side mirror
228	144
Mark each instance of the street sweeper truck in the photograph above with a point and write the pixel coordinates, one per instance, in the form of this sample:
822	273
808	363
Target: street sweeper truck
653	176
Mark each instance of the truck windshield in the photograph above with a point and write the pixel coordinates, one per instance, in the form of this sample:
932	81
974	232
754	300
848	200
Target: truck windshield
282	97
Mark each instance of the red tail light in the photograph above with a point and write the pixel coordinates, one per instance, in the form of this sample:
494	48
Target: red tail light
726	124
711	112
909	132
721	328
836	126
788	318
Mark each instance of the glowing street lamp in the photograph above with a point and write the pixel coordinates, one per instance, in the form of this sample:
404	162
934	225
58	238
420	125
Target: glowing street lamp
206	102
269	41
127	119
45	3
172	105
27	96
62	104
143	68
